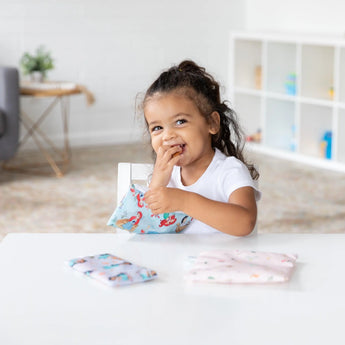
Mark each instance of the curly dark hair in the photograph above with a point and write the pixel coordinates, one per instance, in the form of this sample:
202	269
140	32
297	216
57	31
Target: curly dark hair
195	83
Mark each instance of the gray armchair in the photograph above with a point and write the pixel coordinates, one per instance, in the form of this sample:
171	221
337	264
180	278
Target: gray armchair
9	112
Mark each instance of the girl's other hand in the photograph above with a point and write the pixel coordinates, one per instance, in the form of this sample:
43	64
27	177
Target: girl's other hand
167	157
164	199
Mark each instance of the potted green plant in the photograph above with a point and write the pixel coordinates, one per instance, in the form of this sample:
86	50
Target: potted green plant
38	64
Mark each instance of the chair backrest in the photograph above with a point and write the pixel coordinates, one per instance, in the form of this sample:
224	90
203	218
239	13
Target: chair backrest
128	173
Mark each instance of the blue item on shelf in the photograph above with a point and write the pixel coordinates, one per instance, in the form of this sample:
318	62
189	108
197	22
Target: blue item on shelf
293	144
327	139
290	84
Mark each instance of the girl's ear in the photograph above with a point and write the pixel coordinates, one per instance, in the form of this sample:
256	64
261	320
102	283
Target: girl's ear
214	121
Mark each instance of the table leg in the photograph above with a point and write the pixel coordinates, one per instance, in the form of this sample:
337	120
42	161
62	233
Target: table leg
65	109
35	125
42	140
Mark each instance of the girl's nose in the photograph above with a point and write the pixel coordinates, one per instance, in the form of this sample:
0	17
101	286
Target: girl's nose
168	135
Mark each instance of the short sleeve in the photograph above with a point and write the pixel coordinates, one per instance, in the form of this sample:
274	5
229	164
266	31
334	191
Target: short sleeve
236	175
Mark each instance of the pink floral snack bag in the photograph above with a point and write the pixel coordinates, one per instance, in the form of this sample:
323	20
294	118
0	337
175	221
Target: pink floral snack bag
241	266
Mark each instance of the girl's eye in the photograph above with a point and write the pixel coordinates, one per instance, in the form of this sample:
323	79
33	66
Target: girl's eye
156	128
181	122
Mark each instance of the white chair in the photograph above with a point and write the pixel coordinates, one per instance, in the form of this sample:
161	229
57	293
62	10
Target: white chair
128	173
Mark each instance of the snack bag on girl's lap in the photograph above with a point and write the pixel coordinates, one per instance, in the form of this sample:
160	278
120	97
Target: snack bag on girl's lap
134	215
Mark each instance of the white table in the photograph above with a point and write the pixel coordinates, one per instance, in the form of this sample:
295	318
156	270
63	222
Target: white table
44	302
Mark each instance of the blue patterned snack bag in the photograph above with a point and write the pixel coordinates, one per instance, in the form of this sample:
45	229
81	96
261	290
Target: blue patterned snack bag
134	215
111	270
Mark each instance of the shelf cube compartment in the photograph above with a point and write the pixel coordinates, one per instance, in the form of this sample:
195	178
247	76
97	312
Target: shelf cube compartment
248	109
342	76
280	125
281	68
316	122
317	72
248	64
341	136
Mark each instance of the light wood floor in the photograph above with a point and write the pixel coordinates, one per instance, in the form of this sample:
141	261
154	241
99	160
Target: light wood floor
296	198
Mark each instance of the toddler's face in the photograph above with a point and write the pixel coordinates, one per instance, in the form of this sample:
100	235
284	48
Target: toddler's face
174	120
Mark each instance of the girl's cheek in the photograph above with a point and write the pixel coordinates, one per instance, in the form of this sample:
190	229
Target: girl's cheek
154	144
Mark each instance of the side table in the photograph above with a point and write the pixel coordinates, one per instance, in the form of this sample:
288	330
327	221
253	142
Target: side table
59	92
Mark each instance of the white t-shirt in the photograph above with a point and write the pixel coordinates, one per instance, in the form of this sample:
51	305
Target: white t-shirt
223	176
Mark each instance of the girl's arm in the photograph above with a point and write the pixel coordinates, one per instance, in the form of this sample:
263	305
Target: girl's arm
236	217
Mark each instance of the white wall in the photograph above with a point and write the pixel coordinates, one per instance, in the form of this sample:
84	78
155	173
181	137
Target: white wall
115	48
302	16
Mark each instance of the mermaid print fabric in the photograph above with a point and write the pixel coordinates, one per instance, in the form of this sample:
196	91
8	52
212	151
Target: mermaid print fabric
241	266
111	270
134	215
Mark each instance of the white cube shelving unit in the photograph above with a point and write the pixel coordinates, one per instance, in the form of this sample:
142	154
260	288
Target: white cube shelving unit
292	89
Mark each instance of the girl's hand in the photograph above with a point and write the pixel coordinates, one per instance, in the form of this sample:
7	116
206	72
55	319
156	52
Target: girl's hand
164	199
167	157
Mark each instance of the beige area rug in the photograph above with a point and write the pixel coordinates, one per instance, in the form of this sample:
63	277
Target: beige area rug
296	198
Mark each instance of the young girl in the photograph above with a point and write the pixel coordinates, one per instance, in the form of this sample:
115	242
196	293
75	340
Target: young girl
199	168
